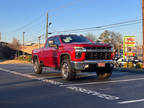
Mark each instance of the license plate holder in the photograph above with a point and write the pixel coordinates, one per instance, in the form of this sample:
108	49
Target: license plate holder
101	64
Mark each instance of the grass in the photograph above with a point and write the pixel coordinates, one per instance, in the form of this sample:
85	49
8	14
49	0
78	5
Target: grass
14	62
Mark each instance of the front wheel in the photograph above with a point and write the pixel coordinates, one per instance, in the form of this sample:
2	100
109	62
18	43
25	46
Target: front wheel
104	74
37	68
66	70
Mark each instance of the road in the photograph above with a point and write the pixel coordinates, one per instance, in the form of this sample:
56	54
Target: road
21	88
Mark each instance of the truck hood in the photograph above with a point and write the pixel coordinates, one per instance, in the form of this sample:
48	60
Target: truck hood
89	44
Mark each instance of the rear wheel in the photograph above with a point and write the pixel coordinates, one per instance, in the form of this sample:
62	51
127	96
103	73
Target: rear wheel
37	68
66	70
104	74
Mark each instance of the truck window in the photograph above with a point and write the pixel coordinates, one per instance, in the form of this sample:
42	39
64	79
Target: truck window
57	41
47	44
74	39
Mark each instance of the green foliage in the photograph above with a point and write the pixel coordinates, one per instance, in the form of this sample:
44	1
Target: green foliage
20	58
25	58
29	58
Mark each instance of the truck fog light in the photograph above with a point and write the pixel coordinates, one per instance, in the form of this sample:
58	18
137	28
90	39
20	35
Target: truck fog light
86	66
78	55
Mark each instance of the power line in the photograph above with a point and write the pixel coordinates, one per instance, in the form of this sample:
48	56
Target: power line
118	26
42	35
28	24
99	27
131	22
38	18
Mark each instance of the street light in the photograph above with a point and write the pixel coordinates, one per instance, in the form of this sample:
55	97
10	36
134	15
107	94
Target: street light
50	23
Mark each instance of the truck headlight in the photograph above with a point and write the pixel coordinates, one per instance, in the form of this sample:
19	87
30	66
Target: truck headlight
78	52
80	49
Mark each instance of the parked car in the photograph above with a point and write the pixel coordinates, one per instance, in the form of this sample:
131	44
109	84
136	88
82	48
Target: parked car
122	61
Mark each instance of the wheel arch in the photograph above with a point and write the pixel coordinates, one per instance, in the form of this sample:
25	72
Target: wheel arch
64	56
35	57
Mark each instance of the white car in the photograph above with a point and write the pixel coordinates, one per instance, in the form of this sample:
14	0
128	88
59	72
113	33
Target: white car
122	61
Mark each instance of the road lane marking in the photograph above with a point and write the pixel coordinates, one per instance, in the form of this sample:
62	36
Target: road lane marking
131	101
94	93
73	88
30	73
33	77
104	82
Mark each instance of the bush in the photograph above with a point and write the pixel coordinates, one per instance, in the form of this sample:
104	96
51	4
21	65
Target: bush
29	58
128	65
20	58
25	58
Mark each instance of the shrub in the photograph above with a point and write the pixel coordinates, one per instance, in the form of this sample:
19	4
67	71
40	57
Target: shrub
29	58
25	58
20	58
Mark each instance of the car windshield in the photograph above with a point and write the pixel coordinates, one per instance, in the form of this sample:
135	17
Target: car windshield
74	39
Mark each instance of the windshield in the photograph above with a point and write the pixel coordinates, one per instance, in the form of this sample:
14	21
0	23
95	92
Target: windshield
74	39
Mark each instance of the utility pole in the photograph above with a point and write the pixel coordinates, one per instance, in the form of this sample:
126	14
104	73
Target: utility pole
23	44
18	48
39	38
119	47
5	36
46	26
137	48
143	29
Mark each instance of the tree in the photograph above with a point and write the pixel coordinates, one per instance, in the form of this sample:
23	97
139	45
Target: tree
113	38
15	44
105	36
91	36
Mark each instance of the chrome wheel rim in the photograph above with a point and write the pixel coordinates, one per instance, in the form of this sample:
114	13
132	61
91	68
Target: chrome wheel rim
35	66
65	70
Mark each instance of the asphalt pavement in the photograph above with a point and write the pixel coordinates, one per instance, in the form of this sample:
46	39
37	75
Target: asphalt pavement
20	87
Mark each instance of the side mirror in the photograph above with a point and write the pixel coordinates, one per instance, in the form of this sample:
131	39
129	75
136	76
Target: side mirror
52	43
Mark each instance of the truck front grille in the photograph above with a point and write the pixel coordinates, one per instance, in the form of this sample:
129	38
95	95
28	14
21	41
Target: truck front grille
98	53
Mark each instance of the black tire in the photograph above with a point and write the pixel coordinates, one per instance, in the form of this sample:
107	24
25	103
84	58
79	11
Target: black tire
67	72
104	74
36	67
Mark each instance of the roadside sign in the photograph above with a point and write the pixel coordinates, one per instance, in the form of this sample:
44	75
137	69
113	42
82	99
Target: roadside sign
129	44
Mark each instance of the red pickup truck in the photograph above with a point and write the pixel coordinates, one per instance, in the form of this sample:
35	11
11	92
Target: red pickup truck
72	54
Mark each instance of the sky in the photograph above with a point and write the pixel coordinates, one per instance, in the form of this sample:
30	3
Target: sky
29	16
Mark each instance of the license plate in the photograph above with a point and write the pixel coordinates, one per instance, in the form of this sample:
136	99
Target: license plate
101	64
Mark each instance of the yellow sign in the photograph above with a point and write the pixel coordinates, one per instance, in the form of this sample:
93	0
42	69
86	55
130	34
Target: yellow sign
128	45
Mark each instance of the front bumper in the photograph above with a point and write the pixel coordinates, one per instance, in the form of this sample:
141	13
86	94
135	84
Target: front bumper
92	65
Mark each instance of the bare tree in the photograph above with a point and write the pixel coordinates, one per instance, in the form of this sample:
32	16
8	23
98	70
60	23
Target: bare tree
105	36
113	38
91	36
15	44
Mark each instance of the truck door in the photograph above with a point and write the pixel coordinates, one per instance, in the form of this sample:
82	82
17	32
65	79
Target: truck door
51	51
46	53
53	55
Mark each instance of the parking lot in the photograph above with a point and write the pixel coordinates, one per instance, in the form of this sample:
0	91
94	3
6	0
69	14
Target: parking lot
20	87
